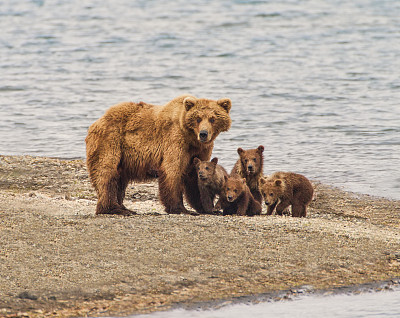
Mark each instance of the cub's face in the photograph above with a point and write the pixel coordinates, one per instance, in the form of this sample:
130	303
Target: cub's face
205	169
251	159
271	190
207	118
234	187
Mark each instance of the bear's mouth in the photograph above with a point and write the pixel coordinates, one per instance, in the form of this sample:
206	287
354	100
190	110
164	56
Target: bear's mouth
268	203
250	170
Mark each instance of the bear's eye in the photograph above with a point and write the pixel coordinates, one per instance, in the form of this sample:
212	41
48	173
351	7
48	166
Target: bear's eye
207	168
245	160
235	190
198	120
212	120
228	189
255	159
271	194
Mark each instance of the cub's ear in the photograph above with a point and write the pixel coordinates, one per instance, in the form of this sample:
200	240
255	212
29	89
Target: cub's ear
196	161
189	102
278	182
214	160
244	180
262	181
240	151
260	149
225	178
225	103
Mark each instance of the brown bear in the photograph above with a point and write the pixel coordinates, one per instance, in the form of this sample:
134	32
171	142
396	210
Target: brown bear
250	167
283	189
211	181
131	141
238	198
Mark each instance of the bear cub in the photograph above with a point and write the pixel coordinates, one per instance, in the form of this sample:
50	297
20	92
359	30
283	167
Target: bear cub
283	189
211	181
238	198
250	167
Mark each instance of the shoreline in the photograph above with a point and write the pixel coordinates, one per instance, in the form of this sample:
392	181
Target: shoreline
297	293
60	260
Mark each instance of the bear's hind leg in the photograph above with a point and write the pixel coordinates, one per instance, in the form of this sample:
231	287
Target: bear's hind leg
299	210
123	182
109	192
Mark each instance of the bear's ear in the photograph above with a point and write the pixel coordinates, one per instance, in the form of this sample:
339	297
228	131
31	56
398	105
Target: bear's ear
240	151
262	180
260	149
278	182
226	178
214	160
243	180
196	161
225	103
189	102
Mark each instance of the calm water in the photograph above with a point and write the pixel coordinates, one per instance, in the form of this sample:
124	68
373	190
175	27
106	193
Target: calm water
373	305
316	82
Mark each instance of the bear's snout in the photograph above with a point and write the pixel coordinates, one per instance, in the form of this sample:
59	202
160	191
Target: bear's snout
229	198
203	135
202	176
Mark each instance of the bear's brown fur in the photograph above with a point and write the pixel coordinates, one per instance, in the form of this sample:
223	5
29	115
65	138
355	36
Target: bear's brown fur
250	166
238	198
283	189
211	181
131	140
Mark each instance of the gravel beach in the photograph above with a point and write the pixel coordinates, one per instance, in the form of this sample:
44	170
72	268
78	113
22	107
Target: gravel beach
57	259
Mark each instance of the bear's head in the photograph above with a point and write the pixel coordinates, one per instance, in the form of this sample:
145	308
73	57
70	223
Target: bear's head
206	118
205	169
234	187
272	189
252	160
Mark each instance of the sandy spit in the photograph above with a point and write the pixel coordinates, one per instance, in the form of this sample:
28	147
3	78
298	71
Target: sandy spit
57	259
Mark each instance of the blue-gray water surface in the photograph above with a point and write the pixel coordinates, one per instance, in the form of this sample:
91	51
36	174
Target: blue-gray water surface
373	305
316	82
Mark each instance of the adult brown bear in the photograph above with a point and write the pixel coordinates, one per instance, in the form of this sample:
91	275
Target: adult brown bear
130	140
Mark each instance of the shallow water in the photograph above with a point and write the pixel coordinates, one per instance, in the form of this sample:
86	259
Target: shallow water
375	304
317	86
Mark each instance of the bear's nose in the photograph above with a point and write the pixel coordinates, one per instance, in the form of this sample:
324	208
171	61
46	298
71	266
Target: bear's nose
250	167
266	203
230	198
203	134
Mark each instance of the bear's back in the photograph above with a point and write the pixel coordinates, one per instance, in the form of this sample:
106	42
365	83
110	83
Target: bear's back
297	183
